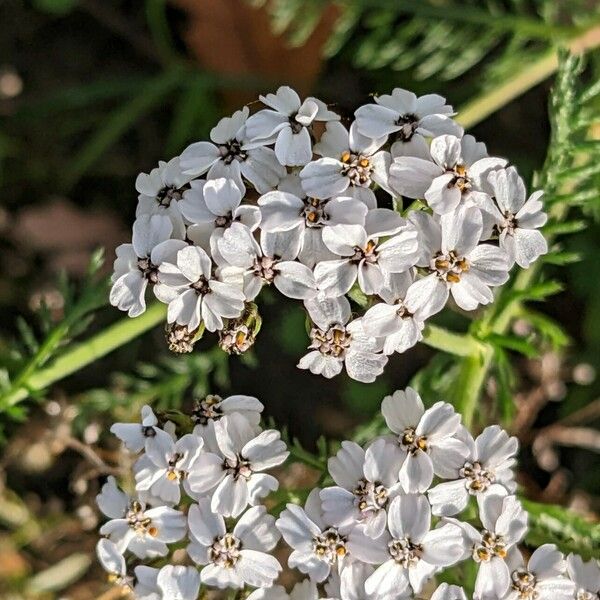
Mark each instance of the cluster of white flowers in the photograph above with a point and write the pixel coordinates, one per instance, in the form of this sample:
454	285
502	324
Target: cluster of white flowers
388	524
286	196
185	489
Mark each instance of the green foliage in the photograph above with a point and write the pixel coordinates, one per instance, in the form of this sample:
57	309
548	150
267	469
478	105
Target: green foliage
443	39
555	524
168	383
55	7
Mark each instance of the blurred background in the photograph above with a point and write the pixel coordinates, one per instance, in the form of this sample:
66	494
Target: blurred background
94	91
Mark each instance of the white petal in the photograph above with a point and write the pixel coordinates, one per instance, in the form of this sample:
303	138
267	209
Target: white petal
293	149
448	498
323	178
401	410
295	280
280	211
346	467
412	177
335	277
199	157
326	312
257	568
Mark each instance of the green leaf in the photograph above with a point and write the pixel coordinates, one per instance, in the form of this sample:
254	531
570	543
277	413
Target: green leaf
548	328
562	258
56	7
551	524
120	121
565	227
511	342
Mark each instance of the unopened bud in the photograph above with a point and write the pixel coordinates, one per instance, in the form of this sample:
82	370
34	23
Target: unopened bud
240	334
179	338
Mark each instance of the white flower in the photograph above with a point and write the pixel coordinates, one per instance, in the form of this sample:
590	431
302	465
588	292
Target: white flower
234	558
516	219
410	553
455	175
169	583
113	563
287	122
134	435
271	261
212	408
366	481
504	525
349	583
543	577
351	163
212	206
400	318
193	295
336	343
166	465
449	592
489	461
407	116
425	436
317	547
235	474
284	211
303	590
365	257
456	262
586	576
234	154
160	192
146	533
137	263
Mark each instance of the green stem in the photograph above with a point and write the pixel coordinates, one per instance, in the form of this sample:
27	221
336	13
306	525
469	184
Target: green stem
299	454
450	342
84	354
530	75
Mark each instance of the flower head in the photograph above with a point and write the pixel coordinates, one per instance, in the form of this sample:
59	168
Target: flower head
136	265
193	294
318	547
426	437
336	342
166	465
454	174
287	122
409	553
161	191
366	481
145	532
542	578
233	475
231	154
233	558
489	461
406	117
456	262
365	256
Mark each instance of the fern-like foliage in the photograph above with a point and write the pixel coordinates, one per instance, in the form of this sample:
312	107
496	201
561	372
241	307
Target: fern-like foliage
441	38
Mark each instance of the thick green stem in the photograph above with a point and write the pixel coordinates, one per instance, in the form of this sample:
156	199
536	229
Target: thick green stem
530	75
450	342
85	353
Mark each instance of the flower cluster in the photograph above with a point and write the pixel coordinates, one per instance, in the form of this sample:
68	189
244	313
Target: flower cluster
204	487
291	197
392	515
